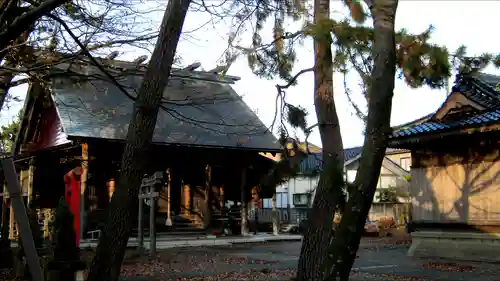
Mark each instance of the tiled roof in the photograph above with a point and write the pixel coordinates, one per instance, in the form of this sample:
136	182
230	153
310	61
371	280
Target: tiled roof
352	152
199	112
480	88
483	118
314	161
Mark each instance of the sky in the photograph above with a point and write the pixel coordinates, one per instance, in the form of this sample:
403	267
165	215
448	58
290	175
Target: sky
455	22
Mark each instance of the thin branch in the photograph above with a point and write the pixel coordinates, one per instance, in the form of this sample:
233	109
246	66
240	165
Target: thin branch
281	94
308	132
89	55
121	42
294	79
18	82
261	47
358	111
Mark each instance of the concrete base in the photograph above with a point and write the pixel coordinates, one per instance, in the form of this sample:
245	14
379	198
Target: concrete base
456	245
203	241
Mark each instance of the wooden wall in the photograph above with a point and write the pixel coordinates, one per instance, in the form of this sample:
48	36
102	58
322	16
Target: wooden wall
453	187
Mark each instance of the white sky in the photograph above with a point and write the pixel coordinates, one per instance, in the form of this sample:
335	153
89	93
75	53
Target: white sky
456	23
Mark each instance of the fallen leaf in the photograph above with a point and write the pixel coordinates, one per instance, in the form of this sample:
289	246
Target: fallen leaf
450	267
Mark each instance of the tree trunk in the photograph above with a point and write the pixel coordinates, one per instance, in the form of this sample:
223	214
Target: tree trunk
320	218
111	249
377	129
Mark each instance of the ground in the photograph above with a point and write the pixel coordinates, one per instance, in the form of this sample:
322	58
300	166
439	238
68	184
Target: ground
379	259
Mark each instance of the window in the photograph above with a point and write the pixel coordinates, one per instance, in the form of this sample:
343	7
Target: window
405	163
301	199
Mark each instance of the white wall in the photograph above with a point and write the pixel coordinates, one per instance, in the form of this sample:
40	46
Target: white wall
302	185
351	175
281	201
284	193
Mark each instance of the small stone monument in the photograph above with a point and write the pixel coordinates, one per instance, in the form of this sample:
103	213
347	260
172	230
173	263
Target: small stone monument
65	263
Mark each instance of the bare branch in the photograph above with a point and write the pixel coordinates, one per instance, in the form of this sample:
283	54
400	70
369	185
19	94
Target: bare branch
281	95
121	42
294	78
265	46
357	110
19	25
87	53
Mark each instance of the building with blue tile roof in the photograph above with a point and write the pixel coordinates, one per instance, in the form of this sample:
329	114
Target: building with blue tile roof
455	175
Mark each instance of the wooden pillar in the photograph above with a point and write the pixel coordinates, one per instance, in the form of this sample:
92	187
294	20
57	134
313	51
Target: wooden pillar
4	208
31	173
12	222
13	227
275	218
222	199
83	186
5	219
186	200
47	216
207	202
222	202
11	214
140	225
111	188
152	224
243	206
169	186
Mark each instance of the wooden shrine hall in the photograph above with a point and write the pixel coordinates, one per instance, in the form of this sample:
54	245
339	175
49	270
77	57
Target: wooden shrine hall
455	172
72	136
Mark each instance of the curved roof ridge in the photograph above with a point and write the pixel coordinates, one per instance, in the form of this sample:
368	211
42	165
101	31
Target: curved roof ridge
414	122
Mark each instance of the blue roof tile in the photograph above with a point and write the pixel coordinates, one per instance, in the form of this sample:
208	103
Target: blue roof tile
314	161
432	126
478	87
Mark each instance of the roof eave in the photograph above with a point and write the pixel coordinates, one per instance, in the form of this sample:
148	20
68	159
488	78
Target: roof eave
129	68
352	160
257	149
414	122
408	141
